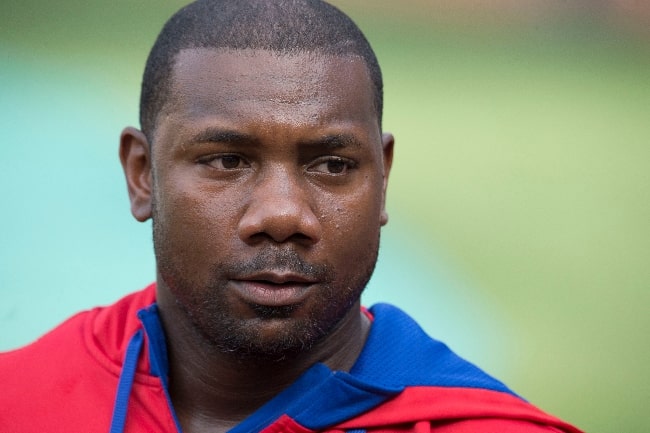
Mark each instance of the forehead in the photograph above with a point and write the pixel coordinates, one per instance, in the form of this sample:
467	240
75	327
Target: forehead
305	88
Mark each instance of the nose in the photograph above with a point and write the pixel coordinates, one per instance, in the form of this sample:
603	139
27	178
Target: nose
279	209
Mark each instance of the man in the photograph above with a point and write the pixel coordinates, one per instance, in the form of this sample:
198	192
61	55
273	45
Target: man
263	166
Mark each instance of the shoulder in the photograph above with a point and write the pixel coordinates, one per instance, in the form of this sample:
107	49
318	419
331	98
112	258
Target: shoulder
441	392
74	365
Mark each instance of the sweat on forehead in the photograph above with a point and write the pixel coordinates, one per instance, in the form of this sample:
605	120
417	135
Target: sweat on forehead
284	26
261	76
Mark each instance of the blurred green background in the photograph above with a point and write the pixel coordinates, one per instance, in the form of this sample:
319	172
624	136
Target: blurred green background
519	200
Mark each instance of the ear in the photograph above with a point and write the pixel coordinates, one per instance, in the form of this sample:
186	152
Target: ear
135	156
387	142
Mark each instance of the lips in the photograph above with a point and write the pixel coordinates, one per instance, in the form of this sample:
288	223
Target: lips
273	289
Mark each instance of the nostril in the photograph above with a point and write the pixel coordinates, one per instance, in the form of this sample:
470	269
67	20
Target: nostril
301	237
295	237
269	223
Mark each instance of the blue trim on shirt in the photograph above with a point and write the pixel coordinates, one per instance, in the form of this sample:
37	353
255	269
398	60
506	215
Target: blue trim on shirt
125	383
158	353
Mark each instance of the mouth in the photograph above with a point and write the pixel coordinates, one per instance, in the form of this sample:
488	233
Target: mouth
273	289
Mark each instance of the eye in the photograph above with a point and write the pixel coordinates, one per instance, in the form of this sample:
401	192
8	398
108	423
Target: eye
332	165
224	162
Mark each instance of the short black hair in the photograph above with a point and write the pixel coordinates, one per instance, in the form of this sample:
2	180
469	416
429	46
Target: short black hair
286	26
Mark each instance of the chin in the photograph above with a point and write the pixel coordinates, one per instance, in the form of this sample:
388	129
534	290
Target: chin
266	340
269	334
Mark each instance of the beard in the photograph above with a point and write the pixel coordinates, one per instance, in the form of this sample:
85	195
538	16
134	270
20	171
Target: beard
273	333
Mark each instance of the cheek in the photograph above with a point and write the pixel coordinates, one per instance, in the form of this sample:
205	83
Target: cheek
351	223
194	221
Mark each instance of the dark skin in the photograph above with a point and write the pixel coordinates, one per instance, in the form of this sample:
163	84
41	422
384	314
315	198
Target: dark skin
267	183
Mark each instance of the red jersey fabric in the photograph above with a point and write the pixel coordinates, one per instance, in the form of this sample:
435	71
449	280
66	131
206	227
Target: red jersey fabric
403	381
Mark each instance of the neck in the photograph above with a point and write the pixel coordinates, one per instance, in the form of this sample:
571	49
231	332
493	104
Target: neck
213	389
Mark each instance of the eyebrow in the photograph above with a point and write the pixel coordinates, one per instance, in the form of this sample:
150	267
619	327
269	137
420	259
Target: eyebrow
219	135
334	141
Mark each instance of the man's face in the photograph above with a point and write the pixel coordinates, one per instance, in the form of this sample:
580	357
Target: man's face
269	183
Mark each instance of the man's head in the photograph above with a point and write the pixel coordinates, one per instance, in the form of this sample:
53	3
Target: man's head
284	26
265	173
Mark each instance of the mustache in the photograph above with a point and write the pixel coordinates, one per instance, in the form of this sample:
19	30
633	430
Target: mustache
279	260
